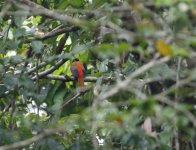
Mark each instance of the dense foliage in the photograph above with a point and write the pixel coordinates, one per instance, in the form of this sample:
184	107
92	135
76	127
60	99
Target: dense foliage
140	59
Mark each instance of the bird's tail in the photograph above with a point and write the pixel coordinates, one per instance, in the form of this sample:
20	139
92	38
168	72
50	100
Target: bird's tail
81	83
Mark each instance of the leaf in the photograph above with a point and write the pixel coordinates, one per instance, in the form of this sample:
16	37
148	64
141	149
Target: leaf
16	59
163	48
178	51
19	19
3	89
18	32
122	47
13	44
37	46
77	3
10	81
156	72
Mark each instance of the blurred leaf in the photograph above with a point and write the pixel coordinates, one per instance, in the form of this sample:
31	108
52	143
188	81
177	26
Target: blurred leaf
163	48
19	32
3	89
178	51
10	81
122	47
16	59
12	45
37	46
19	19
157	72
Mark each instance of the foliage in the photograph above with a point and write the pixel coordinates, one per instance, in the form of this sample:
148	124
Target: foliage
139	57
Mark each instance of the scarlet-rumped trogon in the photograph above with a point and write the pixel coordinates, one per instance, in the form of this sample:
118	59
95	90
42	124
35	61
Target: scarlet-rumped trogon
78	72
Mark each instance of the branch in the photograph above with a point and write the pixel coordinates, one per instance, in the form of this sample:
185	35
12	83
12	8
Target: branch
4	10
124	84
36	67
68	78
78	95
50	70
165	100
59	31
24	143
40	10
61	43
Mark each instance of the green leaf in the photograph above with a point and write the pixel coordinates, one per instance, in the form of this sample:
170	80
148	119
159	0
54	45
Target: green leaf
13	44
16	59
37	46
157	72
19	32
122	47
3	89
179	51
19	19
10	81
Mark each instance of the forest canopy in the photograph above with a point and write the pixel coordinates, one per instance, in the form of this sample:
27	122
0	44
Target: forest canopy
138	60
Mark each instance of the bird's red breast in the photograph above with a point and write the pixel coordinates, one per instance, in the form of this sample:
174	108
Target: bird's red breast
78	72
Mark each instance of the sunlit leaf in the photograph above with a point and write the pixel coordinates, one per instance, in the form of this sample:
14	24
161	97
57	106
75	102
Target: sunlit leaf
163	48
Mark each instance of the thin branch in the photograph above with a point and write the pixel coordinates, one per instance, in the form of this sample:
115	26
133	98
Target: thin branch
78	95
178	77
4	10
50	70
24	143
36	67
124	84
165	100
59	31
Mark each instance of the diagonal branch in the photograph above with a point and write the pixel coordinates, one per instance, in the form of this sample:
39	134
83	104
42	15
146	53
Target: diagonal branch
40	10
59	31
78	95
24	143
124	84
50	70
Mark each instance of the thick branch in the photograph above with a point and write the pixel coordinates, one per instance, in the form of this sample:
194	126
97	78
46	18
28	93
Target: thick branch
40	10
61	43
67	78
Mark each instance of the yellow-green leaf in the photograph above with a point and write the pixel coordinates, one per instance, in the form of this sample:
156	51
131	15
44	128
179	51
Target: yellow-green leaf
163	48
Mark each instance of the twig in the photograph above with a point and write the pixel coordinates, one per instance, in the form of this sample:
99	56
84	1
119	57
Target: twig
78	95
124	84
24	143
177	78
164	100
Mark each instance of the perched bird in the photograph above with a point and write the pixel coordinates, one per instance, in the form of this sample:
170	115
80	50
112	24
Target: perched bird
78	72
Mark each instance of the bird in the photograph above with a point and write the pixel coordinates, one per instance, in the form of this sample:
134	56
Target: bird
78	72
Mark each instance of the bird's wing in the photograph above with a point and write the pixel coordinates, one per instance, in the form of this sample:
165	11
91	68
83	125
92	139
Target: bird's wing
74	70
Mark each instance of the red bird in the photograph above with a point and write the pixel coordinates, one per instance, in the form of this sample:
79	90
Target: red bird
78	72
